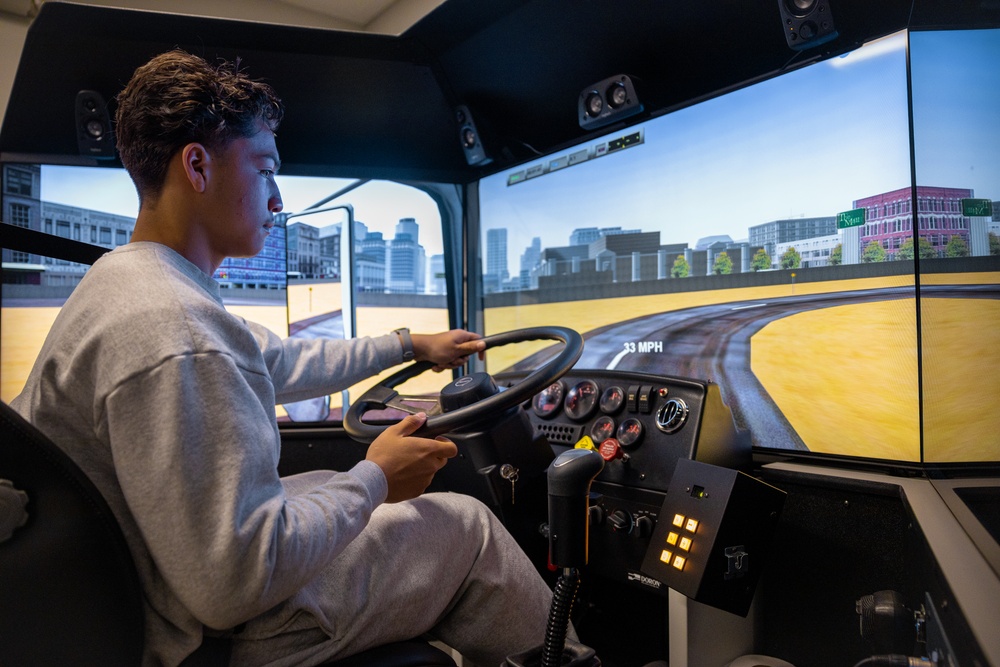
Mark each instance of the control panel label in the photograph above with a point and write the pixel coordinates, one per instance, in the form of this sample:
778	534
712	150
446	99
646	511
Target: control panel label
644	580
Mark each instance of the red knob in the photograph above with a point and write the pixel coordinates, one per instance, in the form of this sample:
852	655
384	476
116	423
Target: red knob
611	450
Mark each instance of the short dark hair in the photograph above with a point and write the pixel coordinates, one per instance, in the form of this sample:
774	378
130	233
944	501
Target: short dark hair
178	98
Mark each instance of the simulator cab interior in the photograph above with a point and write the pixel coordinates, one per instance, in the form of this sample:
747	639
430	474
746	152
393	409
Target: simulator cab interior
744	256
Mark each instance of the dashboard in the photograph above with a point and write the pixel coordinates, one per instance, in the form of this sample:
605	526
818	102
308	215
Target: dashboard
641	424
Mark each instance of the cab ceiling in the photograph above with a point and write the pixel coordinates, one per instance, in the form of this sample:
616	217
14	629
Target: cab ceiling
383	106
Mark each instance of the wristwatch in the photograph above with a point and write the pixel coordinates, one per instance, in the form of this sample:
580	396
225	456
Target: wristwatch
406	342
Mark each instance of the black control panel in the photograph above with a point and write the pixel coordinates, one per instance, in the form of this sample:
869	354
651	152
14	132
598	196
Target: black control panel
641	425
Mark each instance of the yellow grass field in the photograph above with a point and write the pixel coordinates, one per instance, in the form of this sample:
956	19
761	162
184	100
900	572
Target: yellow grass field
961	339
22	332
306	301
845	377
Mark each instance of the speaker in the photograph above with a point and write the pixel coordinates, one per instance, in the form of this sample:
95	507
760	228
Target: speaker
607	101
468	137
807	23
94	135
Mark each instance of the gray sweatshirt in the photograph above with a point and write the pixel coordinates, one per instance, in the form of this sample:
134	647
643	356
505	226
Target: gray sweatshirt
167	402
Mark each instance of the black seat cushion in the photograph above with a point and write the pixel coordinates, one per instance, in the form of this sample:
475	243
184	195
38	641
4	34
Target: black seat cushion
69	591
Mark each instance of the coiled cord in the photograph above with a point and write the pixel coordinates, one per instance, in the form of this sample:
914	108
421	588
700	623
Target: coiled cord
563	598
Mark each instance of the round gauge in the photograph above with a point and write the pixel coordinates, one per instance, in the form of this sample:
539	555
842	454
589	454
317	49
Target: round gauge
548	401
630	433
602	429
612	399
581	399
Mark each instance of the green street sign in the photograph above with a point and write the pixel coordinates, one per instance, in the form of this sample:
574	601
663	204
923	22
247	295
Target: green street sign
852	218
977	207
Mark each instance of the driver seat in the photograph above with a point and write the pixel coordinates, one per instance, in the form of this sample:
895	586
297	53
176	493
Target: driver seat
69	590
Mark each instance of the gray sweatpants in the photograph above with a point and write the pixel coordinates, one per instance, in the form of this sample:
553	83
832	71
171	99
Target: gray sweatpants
440	565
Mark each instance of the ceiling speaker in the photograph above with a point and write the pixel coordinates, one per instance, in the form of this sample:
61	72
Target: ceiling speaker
94	136
468	137
807	23
607	101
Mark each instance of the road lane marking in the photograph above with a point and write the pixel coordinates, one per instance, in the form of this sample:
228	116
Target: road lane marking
614	362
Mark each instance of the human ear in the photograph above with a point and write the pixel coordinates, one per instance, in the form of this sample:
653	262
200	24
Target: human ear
195	160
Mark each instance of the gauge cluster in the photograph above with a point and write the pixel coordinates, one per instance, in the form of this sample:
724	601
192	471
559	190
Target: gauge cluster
640	424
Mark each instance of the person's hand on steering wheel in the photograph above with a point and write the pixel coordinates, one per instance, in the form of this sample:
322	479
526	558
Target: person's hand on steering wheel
409	462
450	349
482	407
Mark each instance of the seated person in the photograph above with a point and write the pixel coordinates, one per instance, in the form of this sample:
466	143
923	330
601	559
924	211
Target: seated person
167	402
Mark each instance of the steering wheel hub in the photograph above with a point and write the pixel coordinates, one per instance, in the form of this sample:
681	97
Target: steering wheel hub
467	390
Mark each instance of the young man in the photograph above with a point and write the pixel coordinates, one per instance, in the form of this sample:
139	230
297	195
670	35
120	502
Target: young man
167	402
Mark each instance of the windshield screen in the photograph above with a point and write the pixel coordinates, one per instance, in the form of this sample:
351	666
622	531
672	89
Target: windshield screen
764	240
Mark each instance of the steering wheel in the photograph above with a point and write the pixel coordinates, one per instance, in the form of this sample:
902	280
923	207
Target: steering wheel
383	395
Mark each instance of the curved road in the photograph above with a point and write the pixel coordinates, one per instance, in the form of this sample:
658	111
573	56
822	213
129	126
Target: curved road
713	343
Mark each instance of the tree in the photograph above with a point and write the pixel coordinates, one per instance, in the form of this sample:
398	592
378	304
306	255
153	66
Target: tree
790	259
994	244
957	247
761	261
681	268
873	252
925	249
837	255
723	266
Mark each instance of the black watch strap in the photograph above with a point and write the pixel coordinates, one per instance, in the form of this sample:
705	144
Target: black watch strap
406	342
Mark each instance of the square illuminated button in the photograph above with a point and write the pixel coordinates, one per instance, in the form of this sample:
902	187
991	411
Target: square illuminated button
685	543
679	562
672	537
678	520
665	556
692	525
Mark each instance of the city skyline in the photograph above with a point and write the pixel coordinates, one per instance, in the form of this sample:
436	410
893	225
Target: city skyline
800	145
396	264
811	242
379	204
805	144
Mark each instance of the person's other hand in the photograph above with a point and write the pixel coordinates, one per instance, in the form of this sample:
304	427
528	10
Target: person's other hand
409	462
449	349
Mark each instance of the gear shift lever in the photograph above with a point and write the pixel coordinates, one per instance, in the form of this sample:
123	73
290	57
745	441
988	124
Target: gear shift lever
569	481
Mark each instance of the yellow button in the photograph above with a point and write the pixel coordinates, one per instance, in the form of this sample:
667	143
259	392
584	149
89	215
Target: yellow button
585	443
685	543
665	556
679	562
672	537
678	520
692	525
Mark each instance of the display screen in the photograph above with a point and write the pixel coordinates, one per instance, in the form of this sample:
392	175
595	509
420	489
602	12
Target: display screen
293	286
956	131
764	240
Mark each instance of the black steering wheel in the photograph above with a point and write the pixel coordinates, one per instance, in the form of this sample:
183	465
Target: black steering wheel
383	395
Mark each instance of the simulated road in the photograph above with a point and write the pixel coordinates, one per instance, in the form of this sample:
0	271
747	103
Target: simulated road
713	343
